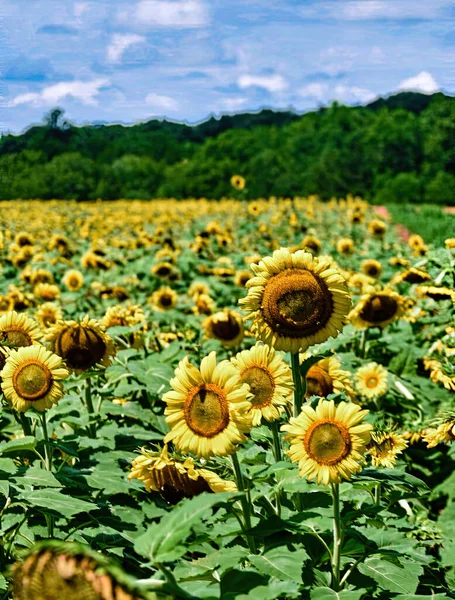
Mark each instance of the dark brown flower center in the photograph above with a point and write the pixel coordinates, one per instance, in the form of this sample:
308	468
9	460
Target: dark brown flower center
206	410
296	303
379	308
226	328
327	443
17	338
80	347
262	384
318	382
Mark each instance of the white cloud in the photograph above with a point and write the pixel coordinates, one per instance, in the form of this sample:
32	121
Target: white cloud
159	102
314	90
324	93
164	13
364	10
423	82
271	83
232	104
79	8
85	91
120	43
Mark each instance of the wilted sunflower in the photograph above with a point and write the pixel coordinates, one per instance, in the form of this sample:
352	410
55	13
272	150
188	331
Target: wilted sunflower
55	570
163	299
372	268
207	409
372	380
377	309
82	345
327	377
73	280
175	479
329	442
270	381
384	448
48	314
225	326
238	182
296	300
443	432
17	330
31	378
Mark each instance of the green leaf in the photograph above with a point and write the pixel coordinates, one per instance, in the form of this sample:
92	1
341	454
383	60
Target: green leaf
54	500
325	593
397	576
4	488
420	597
163	541
38	478
281	563
25	443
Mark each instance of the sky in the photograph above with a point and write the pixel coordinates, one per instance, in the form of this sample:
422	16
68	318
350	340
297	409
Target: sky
132	60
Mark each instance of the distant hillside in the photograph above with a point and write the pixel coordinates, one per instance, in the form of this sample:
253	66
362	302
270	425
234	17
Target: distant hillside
397	148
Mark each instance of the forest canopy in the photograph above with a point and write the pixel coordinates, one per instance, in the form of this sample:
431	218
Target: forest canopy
397	149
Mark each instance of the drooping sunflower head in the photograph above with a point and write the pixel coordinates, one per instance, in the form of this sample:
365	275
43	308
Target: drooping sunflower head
328	442
73	280
372	268
372	380
377	309
384	448
208	410
18	330
327	377
31	378
53	570
175	479
270	381
82	345
225	326
296	300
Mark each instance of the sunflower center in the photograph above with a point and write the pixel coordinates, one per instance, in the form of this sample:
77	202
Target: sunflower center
372	381
226	329
318	382
206	410
262	385
32	380
296	302
379	308
166	300
80	347
16	337
327	443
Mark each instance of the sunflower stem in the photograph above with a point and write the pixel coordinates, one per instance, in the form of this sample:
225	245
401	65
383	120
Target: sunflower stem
299	385
48	465
337	537
276	441
244	500
363	342
377	494
90	408
25	423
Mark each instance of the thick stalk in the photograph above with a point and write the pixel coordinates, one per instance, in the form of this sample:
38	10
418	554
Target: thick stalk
337	537
244	500
25	422
277	455
90	409
48	465
377	494
363	342
299	390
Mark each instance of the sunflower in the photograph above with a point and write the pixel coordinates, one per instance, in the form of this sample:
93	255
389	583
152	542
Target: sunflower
73	280
238	182
55	569
270	381
31	378
377	309
399	261
175	479
46	291
242	277
372	380
48	314
371	268
82	345
384	448
439	361
449	243
207	409
22	238
296	300
204	305
377	228
225	326
127	316
17	330
361	283
436	293
345	246
198	288
311	244
415	241
41	276
444	432
326	377
163	299
412	275
328	442
163	269
6	304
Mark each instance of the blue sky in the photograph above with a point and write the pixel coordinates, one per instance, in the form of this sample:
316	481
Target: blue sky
129	60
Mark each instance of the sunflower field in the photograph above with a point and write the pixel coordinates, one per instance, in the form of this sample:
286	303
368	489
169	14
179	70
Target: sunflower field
236	400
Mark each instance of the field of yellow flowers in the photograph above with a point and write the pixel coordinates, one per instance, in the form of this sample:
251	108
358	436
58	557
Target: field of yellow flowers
224	400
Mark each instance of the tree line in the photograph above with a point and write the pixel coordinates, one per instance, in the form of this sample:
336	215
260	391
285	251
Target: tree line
398	149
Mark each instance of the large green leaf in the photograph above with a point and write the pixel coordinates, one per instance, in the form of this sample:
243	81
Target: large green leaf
56	501
281	563
38	478
163	541
325	593
398	576
25	443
